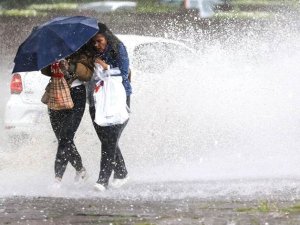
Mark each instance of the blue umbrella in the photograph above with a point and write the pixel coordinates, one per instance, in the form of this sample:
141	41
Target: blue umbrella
54	40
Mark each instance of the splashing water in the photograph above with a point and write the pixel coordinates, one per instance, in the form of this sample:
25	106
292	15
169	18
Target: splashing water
208	126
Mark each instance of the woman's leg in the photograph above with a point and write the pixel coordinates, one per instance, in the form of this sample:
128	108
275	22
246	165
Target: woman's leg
56	119
109	137
69	124
120	170
72	122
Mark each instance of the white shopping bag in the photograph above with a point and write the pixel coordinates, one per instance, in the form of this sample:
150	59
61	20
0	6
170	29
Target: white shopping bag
110	101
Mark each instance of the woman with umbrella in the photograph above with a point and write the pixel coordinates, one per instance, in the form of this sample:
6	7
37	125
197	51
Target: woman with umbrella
110	53
65	122
56	39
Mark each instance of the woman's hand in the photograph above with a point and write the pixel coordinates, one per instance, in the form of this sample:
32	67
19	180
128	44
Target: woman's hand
56	70
102	63
64	65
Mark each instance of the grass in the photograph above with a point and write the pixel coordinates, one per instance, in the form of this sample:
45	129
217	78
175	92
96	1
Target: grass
153	6
263	3
58	6
38	9
244	15
144	223
240	10
156	9
266	207
292	209
21	12
263	207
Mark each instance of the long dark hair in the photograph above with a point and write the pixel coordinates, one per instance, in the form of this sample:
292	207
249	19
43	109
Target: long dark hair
112	39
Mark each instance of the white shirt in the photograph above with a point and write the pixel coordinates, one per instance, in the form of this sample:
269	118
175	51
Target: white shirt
76	83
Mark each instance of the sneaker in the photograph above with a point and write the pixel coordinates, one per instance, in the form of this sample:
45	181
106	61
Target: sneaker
99	187
81	175
117	183
57	183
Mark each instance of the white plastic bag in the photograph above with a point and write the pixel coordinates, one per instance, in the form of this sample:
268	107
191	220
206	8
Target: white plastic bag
110	101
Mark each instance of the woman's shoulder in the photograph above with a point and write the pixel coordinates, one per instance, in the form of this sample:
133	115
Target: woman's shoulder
122	48
121	45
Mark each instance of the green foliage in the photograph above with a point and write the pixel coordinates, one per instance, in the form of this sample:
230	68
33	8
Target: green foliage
244	209
244	15
19	12
20	4
58	6
142	223
262	3
37	9
241	9
263	207
267	207
292	209
153	6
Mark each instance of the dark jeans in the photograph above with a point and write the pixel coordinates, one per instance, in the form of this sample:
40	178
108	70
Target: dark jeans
111	156
64	124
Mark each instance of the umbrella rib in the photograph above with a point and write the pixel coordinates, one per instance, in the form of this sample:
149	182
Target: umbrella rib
48	28
55	56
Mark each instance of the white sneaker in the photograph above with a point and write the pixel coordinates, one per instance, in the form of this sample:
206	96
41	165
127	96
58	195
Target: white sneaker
56	184
117	183
99	187
81	175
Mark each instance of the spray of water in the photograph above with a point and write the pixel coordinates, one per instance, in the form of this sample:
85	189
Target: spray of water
228	112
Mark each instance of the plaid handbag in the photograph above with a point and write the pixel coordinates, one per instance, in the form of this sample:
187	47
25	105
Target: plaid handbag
45	97
59	91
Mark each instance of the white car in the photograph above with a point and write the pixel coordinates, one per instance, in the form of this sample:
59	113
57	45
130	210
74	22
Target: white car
24	111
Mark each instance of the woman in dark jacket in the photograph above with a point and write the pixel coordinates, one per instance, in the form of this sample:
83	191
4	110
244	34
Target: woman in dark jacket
110	53
66	122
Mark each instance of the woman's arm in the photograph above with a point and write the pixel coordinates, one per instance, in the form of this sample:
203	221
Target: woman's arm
46	71
104	65
123	61
63	65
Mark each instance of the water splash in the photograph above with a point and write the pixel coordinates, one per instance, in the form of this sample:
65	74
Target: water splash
230	113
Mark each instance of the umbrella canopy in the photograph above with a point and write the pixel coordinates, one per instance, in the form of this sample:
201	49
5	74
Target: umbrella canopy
54	40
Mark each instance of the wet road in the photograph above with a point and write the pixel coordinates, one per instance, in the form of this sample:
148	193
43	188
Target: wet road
40	210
